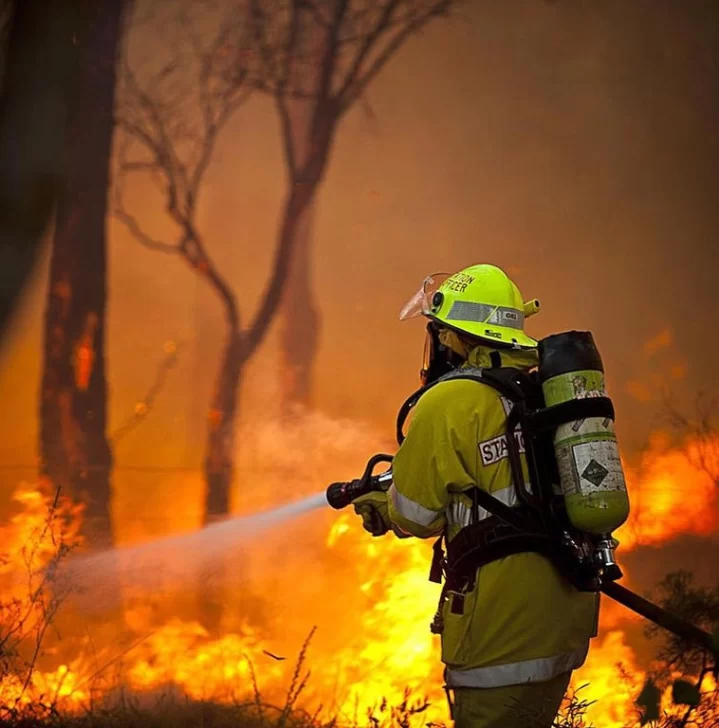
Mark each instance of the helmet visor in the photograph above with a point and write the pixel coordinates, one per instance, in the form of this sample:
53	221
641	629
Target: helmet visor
421	303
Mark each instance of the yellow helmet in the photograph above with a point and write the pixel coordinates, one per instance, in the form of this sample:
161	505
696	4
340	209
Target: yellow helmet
480	300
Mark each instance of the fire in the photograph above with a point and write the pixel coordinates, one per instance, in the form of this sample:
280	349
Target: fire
369	599
181	654
674	491
612	678
33	535
400	605
35	539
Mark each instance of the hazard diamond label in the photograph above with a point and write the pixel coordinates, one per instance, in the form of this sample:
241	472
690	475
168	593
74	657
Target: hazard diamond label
595	473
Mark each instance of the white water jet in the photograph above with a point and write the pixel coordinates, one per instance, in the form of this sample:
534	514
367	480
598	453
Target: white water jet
174	557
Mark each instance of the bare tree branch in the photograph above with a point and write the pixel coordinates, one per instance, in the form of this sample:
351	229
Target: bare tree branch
144	406
156	139
120	211
141	236
357	85
173	119
317	15
280	96
370	39
328	62
700	430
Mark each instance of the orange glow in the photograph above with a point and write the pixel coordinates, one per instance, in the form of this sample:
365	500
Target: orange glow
370	599
612	676
672	493
84	354
662	340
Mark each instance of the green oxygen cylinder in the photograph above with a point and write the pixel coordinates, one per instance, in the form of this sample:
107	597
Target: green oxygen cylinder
590	471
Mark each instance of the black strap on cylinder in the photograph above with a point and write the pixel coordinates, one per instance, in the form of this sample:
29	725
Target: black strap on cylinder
570	411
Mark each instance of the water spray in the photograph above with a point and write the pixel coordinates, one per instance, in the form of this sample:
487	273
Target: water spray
174	557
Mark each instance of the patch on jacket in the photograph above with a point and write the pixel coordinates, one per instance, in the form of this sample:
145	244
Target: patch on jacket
494	450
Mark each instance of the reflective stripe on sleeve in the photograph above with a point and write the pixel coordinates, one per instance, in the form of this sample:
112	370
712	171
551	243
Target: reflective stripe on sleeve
410	510
515	673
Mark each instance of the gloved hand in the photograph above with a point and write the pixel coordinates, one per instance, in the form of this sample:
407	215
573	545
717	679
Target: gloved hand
374	511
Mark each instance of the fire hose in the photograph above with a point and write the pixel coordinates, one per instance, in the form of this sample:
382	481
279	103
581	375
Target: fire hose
340	495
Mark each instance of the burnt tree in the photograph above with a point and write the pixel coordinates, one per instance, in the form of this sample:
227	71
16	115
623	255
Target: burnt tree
319	59
699	430
695	695
39	63
171	122
73	400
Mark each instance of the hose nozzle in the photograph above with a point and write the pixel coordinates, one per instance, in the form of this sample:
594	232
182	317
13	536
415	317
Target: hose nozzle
340	495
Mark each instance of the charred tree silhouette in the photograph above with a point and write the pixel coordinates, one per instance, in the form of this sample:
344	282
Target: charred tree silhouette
39	61
171	123
700	430
695	695
73	404
319	59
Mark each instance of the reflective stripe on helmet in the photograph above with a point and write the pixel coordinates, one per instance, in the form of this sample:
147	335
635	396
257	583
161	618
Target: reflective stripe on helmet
483	313
515	673
410	510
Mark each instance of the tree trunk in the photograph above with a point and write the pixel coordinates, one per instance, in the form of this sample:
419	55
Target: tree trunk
219	471
74	449
301	323
308	128
220	451
38	72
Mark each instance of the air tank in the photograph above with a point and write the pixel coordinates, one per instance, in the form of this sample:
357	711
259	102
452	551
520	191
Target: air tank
590	471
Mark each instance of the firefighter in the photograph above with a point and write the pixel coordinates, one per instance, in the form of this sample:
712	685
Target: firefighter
512	639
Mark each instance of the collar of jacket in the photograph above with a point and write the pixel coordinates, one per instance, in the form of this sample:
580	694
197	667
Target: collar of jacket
481	357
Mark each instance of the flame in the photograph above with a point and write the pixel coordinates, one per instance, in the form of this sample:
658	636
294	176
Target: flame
35	539
369	598
84	354
36	532
674	491
612	678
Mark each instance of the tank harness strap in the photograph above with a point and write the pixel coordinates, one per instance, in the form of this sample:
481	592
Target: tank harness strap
511	383
508	382
509	531
570	411
487	541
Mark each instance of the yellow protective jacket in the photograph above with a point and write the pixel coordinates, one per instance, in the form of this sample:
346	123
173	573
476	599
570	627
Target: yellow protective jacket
523	622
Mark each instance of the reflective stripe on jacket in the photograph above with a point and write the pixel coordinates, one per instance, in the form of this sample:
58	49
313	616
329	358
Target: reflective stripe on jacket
523	622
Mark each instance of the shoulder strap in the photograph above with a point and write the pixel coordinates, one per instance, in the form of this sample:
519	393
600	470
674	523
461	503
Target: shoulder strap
514	384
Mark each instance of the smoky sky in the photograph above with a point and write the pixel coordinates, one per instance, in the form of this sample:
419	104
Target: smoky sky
572	143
